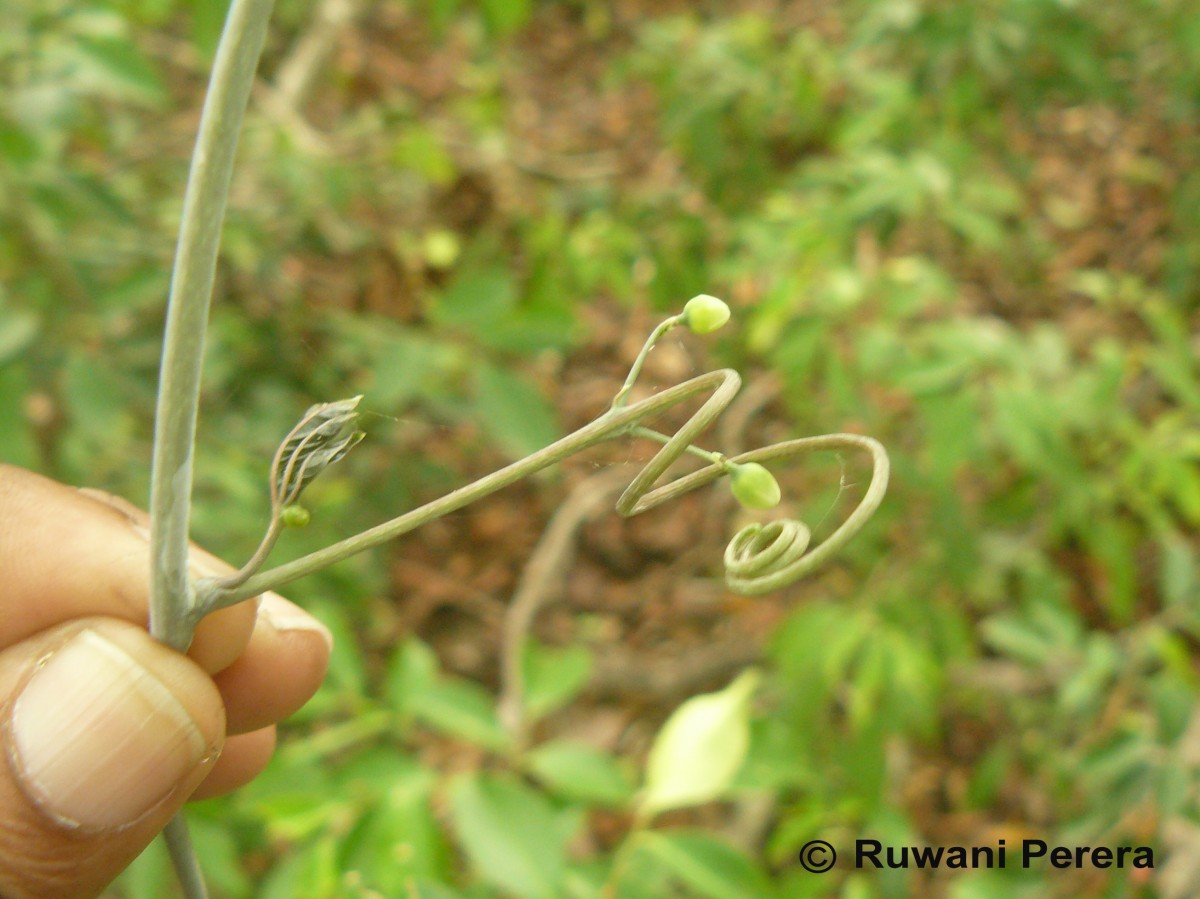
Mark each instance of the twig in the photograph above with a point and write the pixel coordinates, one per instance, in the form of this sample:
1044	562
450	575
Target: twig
311	51
619	672
637	497
284	100
752	818
544	570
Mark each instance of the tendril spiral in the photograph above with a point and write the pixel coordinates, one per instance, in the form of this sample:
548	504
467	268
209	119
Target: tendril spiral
760	557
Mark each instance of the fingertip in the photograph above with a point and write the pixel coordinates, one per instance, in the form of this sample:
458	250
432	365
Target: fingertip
243	759
281	668
285	617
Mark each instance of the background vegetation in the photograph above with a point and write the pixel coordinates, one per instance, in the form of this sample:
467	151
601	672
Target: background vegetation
971	230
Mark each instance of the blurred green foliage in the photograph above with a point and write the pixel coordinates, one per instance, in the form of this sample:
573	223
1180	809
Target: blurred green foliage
971	230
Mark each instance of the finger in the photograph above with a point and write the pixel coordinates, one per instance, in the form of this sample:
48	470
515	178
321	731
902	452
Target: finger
69	554
280	669
242	760
104	732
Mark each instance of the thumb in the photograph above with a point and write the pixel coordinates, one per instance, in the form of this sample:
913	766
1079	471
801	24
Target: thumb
105	734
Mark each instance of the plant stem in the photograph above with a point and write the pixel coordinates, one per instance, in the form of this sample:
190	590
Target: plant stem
536	587
255	562
172	614
187	317
709	456
624	851
613	423
622	396
183	857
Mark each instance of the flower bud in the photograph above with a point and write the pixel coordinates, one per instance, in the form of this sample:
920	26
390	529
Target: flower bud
294	516
754	487
704	314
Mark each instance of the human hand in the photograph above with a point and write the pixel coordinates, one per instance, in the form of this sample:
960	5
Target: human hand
105	732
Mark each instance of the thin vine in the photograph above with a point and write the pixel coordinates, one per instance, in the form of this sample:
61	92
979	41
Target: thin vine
759	558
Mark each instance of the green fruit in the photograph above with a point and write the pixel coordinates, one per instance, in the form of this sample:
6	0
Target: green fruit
704	314
294	516
754	487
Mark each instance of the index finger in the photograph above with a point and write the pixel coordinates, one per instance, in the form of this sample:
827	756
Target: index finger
66	554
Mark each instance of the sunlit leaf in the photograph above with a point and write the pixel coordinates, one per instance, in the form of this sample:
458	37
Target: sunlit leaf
700	748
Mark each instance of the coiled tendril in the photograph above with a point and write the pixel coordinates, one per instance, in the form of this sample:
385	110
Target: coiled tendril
760	558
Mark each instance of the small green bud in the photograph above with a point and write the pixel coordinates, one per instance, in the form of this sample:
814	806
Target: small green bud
754	487
704	314
294	516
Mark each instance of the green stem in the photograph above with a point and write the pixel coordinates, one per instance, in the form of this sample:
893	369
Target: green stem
707	455
172	615
621	858
183	857
255	562
187	317
635	370
614	423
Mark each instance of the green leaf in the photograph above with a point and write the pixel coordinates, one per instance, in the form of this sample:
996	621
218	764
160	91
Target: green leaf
477	302
421	149
399	838
707	865
419	888
18	147
487	304
218	850
506	16
461	709
412	669
208	18
516	414
346	671
17	445
581	772
149	876
319	874
869	679
117	66
512	835
1018	638
1112	543
295	817
700	748
1179	577
400	365
553	676
440	12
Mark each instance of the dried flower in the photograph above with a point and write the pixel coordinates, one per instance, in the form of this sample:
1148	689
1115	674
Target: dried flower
323	436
